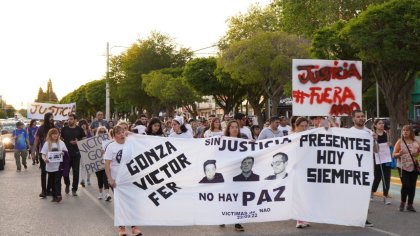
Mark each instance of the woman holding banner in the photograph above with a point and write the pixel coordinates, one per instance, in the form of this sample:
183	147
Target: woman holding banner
232	130
300	124
112	157
382	168
406	150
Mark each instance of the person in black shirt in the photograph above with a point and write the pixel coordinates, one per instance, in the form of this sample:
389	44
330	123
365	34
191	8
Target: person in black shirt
70	135
247	174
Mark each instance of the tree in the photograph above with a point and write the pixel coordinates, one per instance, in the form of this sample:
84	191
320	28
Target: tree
245	25
171	89
204	75
157	52
387	36
305	17
265	60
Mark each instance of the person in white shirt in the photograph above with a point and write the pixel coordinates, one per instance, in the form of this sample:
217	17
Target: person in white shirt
283	127
359	120
52	154
215	128
112	157
241	119
272	130
179	129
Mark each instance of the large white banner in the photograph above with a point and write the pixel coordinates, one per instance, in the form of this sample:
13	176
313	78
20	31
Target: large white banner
60	111
90	149
326	87
318	176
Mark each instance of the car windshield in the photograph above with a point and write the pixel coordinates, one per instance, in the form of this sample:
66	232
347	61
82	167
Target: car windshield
9	127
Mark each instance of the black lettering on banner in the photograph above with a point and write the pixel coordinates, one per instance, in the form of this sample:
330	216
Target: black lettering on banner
247	197
162	192
278	197
359	159
148	158
158	175
341	176
206	197
264	197
329	157
329	140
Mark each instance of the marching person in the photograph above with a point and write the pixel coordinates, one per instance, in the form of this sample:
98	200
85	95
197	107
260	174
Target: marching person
32	128
272	130
53	144
70	135
406	150
233	130
382	168
359	120
85	126
154	128
20	137
112	157
39	141
215	128
101	175
179	129
300	125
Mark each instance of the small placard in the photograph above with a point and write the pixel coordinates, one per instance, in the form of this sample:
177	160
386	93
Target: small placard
55	156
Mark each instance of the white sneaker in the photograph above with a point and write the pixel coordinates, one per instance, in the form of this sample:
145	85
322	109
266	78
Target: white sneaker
387	203
300	225
100	196
108	197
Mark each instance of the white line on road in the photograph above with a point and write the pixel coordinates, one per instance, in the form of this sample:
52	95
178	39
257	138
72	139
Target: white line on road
384	231
96	201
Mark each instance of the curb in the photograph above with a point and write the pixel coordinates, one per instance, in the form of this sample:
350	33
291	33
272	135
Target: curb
396	180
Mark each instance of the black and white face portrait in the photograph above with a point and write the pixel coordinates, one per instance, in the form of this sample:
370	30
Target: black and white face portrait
246	165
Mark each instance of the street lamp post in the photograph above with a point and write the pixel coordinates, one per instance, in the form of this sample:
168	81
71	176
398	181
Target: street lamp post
107	102
107	95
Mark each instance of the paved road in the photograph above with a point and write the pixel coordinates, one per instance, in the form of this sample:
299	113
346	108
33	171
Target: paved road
23	213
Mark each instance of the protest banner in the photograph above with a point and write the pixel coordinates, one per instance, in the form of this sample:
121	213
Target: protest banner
60	111
317	176
326	87
91	155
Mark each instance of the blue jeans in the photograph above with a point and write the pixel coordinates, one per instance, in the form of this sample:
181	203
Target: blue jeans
20	153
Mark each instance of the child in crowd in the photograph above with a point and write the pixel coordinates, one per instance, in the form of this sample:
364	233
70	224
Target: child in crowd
52	153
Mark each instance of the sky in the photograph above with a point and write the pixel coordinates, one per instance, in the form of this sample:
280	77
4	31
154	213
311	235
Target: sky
65	41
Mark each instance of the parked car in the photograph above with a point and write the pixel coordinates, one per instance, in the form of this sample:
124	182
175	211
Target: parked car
2	156
6	134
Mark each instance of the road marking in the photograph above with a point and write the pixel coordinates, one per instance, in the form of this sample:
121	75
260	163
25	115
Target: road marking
96	201
384	231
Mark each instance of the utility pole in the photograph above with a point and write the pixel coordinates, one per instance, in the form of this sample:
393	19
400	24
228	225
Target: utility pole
107	103
377	99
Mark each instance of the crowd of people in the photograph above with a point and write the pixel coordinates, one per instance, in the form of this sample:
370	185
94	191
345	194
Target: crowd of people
51	145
